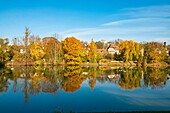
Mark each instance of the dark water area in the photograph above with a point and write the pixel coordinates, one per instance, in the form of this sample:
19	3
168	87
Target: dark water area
87	89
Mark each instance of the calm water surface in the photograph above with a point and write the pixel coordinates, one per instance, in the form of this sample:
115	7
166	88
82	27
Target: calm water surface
75	89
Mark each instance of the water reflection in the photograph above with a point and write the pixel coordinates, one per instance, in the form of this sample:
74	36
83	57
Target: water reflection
35	80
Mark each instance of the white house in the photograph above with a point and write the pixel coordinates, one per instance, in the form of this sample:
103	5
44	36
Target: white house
112	49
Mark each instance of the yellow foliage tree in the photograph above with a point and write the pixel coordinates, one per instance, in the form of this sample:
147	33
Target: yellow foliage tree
92	54
130	50
37	50
73	51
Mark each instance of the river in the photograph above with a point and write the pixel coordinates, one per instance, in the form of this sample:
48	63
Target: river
84	89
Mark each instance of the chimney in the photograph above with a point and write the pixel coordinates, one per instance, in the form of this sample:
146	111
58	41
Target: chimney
164	44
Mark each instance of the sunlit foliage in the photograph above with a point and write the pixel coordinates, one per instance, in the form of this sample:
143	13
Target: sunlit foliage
73	51
37	50
5	53
92	54
154	52
130	50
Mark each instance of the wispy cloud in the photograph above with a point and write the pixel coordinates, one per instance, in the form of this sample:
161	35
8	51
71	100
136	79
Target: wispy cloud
151	11
116	30
125	21
140	21
143	23
142	98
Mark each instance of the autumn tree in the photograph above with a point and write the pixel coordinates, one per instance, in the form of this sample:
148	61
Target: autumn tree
73	51
154	52
37	50
130	50
100	45
92	54
54	50
26	43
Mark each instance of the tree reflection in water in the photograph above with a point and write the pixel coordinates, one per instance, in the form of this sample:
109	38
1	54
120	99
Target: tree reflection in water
73	78
5	74
34	80
130	79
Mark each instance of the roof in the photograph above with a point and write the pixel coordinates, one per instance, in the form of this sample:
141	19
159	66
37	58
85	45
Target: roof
113	46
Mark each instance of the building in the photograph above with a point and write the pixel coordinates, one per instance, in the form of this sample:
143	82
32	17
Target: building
112	49
22	49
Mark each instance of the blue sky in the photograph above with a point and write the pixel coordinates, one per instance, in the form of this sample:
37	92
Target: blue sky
139	20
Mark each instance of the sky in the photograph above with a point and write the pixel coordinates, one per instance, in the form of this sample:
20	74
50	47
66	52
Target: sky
138	20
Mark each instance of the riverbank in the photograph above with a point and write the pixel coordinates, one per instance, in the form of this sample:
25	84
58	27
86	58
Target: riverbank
112	63
121	63
107	64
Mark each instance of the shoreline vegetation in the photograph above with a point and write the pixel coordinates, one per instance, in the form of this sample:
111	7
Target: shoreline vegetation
50	51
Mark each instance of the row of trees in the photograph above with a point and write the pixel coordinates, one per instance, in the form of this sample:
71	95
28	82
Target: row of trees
51	50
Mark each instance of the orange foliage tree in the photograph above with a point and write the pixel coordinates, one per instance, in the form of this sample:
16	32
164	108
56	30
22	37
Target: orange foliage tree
54	52
73	51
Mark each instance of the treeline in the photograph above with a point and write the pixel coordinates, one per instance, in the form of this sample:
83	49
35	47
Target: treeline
33	50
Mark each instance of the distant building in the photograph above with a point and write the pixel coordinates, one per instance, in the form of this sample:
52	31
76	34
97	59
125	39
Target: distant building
22	49
112	49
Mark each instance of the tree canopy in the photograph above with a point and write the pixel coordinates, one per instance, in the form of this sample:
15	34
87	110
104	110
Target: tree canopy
73	51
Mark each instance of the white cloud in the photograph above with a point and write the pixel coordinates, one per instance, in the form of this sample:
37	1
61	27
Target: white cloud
124	21
116	30
143	24
140	21
142	99
150	11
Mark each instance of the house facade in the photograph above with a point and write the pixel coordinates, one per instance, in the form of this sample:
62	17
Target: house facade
112	49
